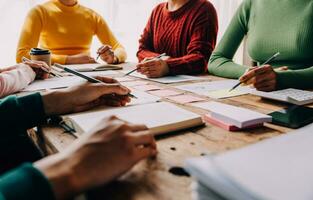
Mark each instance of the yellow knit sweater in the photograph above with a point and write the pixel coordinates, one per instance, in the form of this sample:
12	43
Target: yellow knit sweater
65	31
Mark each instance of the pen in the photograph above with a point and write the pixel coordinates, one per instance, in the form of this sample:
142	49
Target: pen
159	56
88	78
24	59
266	62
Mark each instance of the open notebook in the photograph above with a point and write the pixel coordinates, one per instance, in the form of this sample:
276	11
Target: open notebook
92	67
159	117
274	169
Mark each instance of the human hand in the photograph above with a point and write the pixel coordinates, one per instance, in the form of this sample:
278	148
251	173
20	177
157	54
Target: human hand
262	78
41	68
107	55
79	59
153	68
85	96
98	157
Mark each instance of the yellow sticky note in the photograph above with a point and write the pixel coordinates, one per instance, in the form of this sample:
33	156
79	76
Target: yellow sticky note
221	94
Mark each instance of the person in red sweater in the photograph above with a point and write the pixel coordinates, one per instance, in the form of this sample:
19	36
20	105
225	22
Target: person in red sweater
186	31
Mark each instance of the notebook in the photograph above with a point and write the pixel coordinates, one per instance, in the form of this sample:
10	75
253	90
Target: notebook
160	117
294	96
167	79
93	67
274	169
239	117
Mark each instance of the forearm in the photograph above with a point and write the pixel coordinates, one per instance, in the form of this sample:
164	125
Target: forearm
224	67
14	80
25	182
145	53
60	59
189	64
300	79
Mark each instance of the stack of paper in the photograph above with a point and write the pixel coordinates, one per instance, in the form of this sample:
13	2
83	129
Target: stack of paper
232	118
274	169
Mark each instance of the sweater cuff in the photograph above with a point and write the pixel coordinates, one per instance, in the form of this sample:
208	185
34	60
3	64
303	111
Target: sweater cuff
173	66
32	106
283	78
26	182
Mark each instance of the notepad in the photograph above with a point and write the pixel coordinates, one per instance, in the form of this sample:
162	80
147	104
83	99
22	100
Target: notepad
54	83
240	117
134	83
276	168
125	79
147	87
225	93
167	79
165	93
93	67
183	99
159	117
216	89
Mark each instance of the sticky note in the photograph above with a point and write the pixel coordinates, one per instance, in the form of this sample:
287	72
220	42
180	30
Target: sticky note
134	83
165	93
147	87
185	99
225	93
125	79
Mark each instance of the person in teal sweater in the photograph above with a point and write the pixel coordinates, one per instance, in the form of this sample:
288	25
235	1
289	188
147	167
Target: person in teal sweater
284	26
96	158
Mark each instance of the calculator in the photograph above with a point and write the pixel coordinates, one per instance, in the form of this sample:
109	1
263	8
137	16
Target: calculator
291	95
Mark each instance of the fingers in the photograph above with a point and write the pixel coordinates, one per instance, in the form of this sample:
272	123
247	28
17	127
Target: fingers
144	138
115	88
103	49
106	79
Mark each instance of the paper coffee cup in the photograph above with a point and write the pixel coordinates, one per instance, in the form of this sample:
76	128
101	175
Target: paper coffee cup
41	55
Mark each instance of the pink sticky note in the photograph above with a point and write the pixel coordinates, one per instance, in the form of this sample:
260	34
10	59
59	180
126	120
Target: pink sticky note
185	99
165	93
134	83
147	87
124	79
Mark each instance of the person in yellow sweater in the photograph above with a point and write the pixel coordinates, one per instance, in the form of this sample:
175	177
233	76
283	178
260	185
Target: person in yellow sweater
66	28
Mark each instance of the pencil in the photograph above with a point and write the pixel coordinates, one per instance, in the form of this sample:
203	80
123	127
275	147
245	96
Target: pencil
159	56
88	78
266	62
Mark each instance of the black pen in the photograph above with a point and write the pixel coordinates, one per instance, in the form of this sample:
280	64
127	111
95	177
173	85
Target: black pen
159	56
266	62
88	78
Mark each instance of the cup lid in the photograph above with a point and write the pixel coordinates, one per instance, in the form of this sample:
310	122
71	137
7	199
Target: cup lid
38	51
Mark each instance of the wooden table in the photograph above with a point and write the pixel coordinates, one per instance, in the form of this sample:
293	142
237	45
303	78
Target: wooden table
160	179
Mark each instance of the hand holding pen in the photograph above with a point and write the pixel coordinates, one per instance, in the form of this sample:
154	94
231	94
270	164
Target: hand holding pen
41	68
262	77
107	54
145	61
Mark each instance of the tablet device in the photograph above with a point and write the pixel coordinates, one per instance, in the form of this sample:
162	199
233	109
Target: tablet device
293	116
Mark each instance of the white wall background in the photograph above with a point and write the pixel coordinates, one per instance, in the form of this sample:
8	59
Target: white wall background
126	18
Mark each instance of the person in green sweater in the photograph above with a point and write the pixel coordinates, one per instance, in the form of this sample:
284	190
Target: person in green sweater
96	158
283	26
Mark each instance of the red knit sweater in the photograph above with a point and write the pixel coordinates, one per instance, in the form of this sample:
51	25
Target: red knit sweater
187	35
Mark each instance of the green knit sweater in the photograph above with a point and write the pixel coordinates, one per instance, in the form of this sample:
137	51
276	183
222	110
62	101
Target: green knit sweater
16	116
271	26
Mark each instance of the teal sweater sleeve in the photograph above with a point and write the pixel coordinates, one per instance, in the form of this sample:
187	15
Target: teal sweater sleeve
20	114
221	61
25	182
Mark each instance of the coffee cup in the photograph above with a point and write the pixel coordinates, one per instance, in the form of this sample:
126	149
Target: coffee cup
40	55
